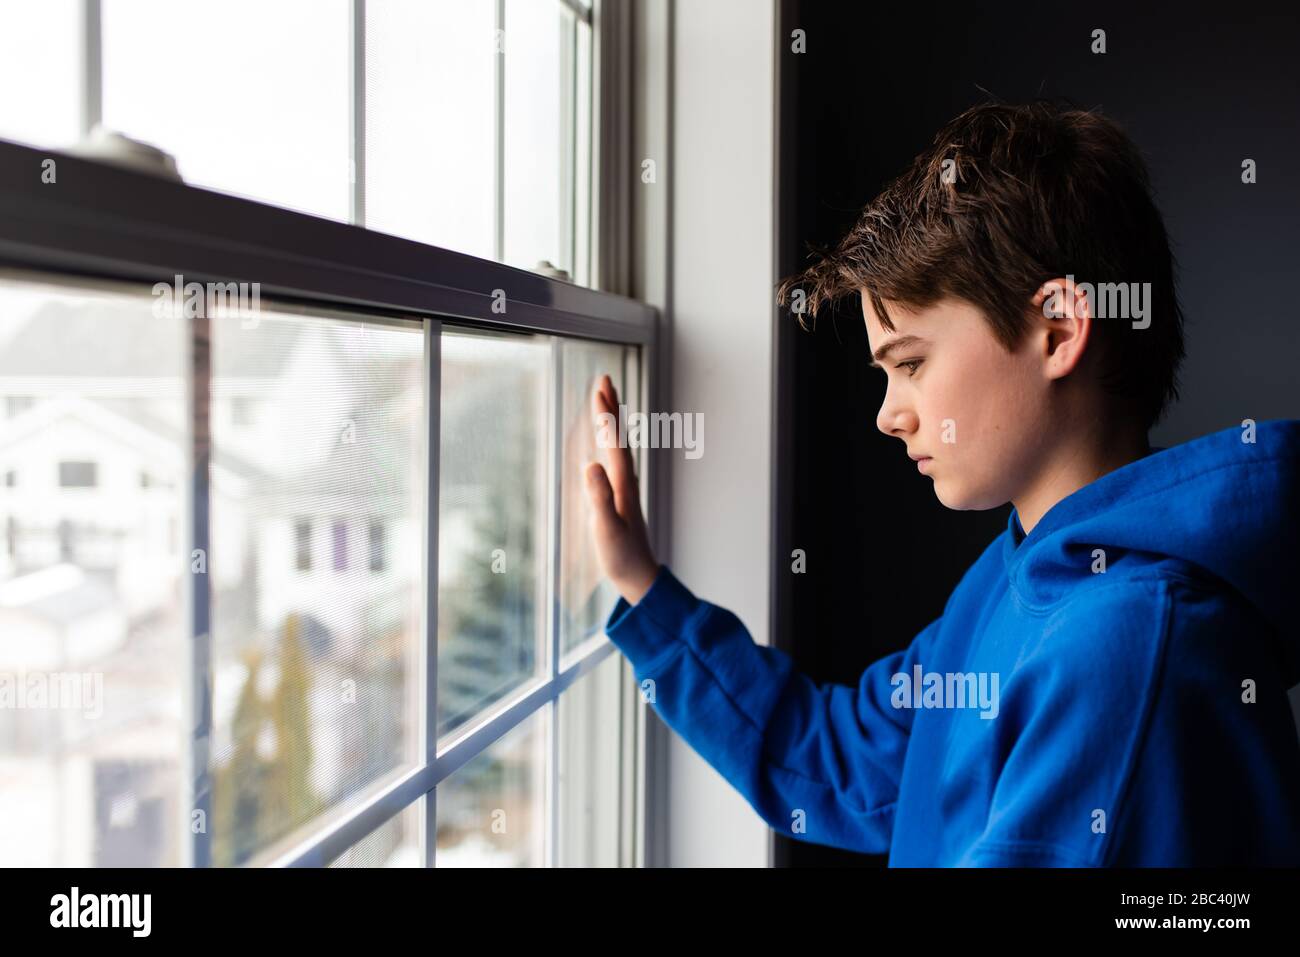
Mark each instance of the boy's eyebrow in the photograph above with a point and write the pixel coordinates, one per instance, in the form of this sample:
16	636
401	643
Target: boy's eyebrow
889	347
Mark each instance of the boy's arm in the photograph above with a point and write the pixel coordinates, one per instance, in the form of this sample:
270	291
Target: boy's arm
820	763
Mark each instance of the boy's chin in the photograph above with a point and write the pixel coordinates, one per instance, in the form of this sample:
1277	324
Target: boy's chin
948	499
961	498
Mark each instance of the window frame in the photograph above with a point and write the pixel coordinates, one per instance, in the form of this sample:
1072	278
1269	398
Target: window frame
99	222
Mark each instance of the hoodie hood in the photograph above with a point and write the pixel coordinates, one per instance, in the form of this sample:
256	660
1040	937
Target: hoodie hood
1222	503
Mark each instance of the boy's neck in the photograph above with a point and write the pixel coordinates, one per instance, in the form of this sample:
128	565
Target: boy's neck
1073	466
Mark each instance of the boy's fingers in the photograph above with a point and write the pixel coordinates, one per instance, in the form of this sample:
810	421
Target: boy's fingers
606	428
622	470
599	491
611	393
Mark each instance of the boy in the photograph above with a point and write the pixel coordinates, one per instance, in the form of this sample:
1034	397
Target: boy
1107	685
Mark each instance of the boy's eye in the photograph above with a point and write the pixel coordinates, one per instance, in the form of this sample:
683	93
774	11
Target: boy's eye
910	365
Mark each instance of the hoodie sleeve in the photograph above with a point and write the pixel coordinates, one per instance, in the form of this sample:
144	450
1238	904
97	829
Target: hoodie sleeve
821	763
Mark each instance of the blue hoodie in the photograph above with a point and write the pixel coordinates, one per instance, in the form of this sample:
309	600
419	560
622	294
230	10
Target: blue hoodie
1109	690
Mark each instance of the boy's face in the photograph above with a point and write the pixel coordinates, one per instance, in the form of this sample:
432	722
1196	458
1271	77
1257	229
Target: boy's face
979	413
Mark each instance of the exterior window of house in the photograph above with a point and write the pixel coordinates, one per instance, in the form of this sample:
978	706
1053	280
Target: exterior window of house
376	546
67	541
11	479
449	436
340	545
77	475
302	544
16	404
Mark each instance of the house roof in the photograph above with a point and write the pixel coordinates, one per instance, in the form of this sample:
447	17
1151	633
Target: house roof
59	594
67	338
127	419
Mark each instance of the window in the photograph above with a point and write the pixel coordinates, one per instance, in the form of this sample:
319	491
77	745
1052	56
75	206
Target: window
11	479
18	404
477	132
291	111
317	692
491	811
77	474
302	544
585	597
94	590
589	766
313	682
376	546
465	124
396	843
492	494
460	682
40	54
430	125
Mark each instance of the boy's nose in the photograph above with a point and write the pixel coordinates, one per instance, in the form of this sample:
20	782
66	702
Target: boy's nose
893	419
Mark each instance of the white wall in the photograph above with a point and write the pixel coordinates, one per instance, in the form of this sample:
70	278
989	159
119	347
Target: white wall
722	300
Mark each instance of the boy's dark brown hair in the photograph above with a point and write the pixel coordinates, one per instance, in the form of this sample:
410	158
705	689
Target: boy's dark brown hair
1032	192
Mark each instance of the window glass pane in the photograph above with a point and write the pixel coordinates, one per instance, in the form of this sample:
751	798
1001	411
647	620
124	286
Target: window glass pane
40	72
94	662
431	121
588	716
315	677
250	97
536	134
77	474
493	482
582	159
302	544
492	812
398	842
586	597
377	561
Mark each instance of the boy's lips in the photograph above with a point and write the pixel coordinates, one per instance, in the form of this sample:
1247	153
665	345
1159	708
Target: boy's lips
921	461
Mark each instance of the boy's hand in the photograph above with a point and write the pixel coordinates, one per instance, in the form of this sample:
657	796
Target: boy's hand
618	528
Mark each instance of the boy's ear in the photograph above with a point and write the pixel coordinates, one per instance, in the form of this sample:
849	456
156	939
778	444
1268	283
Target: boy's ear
1064	317
1060	298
